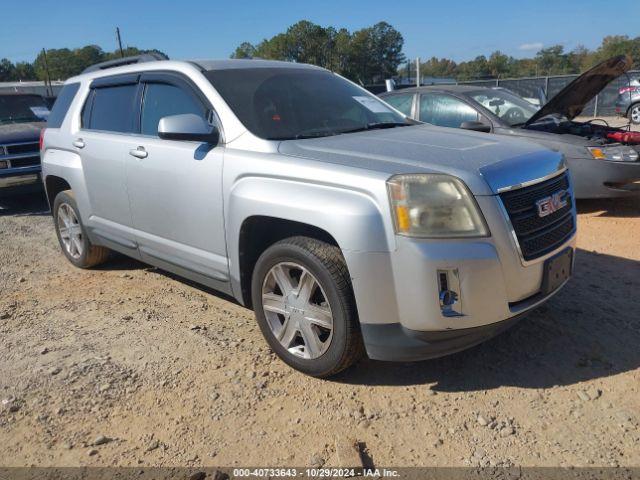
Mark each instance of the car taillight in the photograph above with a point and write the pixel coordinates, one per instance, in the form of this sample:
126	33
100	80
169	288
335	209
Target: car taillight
41	138
624	90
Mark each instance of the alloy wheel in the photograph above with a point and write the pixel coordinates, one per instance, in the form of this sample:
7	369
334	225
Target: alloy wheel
297	310
635	114
70	230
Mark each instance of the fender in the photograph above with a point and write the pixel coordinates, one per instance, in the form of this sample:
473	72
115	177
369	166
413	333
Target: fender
351	217
68	166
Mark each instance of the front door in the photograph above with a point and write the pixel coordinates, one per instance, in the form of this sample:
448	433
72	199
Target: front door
175	187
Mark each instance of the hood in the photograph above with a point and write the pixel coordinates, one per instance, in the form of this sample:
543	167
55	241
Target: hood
571	100
20	132
486	163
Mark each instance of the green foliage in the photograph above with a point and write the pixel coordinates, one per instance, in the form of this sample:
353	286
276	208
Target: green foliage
63	63
552	60
368	55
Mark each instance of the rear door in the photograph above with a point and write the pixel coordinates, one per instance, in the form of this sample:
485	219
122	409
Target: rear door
108	121
175	186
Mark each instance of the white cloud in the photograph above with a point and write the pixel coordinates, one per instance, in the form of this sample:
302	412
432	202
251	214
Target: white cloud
531	46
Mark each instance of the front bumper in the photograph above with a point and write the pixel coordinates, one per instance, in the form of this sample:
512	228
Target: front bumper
395	343
20	180
397	293
604	179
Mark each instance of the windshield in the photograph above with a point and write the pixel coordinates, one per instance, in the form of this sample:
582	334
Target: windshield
511	108
289	103
22	109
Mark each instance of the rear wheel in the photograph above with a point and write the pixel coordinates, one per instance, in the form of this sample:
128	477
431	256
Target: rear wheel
634	114
304	305
72	236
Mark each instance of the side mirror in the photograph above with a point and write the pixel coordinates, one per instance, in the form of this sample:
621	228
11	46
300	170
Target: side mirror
476	126
188	127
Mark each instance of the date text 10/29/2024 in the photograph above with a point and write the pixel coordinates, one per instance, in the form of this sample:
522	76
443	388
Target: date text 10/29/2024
315	472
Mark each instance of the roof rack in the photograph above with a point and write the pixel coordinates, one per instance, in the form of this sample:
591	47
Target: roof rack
119	62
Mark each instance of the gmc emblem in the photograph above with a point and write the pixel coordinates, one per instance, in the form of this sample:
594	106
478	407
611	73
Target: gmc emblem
548	205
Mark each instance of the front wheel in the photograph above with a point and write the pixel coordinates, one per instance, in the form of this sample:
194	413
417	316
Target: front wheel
634	114
304	305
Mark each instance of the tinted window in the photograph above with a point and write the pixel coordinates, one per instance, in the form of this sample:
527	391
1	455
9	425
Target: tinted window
22	109
112	108
62	104
445	111
401	102
162	100
286	103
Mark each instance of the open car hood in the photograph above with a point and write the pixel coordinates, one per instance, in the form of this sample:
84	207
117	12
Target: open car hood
571	100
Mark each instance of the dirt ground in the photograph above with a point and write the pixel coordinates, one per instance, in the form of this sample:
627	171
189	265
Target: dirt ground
126	365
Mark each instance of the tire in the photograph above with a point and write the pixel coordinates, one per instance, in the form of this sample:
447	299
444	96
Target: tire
75	245
330	350
634	114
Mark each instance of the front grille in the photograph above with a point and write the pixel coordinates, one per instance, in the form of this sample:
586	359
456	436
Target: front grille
20	148
537	235
24	161
20	155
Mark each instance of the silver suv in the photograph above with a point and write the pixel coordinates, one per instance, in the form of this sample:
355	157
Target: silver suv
345	226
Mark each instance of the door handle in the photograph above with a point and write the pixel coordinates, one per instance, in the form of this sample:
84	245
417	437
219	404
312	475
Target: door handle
78	143
139	152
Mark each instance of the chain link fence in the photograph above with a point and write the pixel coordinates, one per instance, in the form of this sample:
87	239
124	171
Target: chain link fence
530	87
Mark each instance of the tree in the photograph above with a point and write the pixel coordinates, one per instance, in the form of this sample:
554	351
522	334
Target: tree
552	60
24	71
64	63
438	67
368	55
499	64
244	50
7	70
476	68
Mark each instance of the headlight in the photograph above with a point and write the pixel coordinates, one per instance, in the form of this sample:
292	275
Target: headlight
434	206
616	153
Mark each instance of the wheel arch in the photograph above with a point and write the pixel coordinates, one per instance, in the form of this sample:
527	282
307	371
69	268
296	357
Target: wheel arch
633	104
262	211
258	233
53	186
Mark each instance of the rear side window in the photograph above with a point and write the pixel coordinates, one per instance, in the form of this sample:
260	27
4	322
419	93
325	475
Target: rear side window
62	104
163	100
111	109
402	102
445	111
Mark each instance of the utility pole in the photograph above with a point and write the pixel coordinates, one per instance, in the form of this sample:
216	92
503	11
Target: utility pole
119	41
46	71
417	71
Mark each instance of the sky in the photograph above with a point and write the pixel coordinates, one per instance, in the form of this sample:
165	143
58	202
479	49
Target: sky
190	29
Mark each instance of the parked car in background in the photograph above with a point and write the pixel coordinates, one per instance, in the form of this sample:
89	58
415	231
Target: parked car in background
603	160
346	227
628	102
22	117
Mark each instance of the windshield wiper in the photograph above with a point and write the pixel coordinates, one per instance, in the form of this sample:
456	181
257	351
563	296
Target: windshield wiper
376	126
321	132
373	126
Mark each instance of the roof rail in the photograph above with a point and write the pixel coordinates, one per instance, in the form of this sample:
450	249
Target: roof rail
119	62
